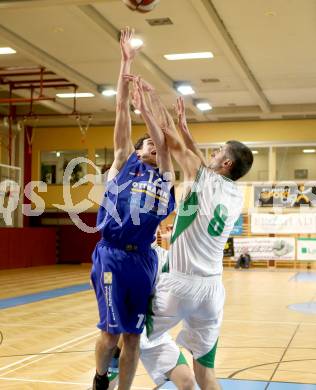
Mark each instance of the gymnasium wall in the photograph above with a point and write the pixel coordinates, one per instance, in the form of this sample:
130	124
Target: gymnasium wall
289	164
47	139
259	171
74	246
27	247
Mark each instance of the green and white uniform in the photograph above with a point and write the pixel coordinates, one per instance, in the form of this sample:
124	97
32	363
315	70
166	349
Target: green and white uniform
192	290
162	354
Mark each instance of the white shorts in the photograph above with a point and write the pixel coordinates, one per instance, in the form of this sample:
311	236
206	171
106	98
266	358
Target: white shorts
158	356
197	301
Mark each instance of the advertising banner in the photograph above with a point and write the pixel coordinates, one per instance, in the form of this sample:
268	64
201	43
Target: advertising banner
229	248
285	195
238	229
306	249
266	248
298	223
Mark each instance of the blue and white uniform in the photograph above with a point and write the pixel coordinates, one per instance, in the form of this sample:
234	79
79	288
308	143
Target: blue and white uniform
124	264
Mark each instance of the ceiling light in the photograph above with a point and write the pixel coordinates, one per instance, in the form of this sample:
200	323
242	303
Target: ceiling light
7	50
57	154
72	95
109	92
184	89
309	150
188	56
136	42
203	106
255	152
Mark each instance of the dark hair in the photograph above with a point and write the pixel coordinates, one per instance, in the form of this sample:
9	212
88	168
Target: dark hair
139	143
242	158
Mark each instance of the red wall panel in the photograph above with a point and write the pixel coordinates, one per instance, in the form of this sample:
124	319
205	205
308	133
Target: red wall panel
75	246
4	248
27	247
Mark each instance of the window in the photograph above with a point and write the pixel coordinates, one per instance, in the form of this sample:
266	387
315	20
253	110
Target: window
260	167
104	158
296	163
54	164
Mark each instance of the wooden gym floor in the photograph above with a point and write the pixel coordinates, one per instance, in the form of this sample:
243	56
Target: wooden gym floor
48	317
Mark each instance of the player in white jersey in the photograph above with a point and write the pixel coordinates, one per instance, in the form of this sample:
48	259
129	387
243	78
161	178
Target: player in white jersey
192	290
161	357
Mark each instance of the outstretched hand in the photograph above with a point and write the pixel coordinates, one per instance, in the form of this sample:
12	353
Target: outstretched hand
171	134
145	85
128	51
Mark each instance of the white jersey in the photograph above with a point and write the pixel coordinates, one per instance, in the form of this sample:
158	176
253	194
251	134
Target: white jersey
203	223
162	255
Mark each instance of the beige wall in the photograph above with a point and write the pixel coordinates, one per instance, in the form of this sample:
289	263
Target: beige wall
260	168
204	133
287	163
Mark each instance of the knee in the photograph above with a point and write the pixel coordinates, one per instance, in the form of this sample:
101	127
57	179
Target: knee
182	377
186	383
131	340
109	340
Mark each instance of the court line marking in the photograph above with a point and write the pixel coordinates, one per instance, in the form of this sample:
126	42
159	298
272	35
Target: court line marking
269	322
281	359
10	325
59	382
45	326
40	358
50	350
43	381
34	361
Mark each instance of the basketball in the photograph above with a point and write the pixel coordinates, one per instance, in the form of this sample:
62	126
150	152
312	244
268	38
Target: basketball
141	5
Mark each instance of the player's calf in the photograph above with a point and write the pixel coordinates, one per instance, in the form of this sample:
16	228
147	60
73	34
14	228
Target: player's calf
128	360
182	377
205	377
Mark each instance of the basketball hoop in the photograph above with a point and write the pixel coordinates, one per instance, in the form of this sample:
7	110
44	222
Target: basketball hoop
29	137
83	128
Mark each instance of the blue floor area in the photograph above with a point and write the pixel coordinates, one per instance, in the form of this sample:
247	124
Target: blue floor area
30	298
236	384
304	277
306	307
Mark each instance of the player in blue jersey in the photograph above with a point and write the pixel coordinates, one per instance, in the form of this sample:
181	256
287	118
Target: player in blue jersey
161	358
138	197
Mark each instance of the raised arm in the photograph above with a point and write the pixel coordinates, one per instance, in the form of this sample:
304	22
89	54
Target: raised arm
164	162
123	145
187	160
185	132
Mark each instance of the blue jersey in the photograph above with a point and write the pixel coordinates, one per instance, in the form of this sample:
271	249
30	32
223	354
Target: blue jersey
134	204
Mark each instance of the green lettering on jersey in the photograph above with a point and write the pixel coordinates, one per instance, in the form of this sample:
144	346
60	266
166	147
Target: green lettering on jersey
186	215
217	223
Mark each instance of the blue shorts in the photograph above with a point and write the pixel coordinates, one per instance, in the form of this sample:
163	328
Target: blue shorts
123	281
